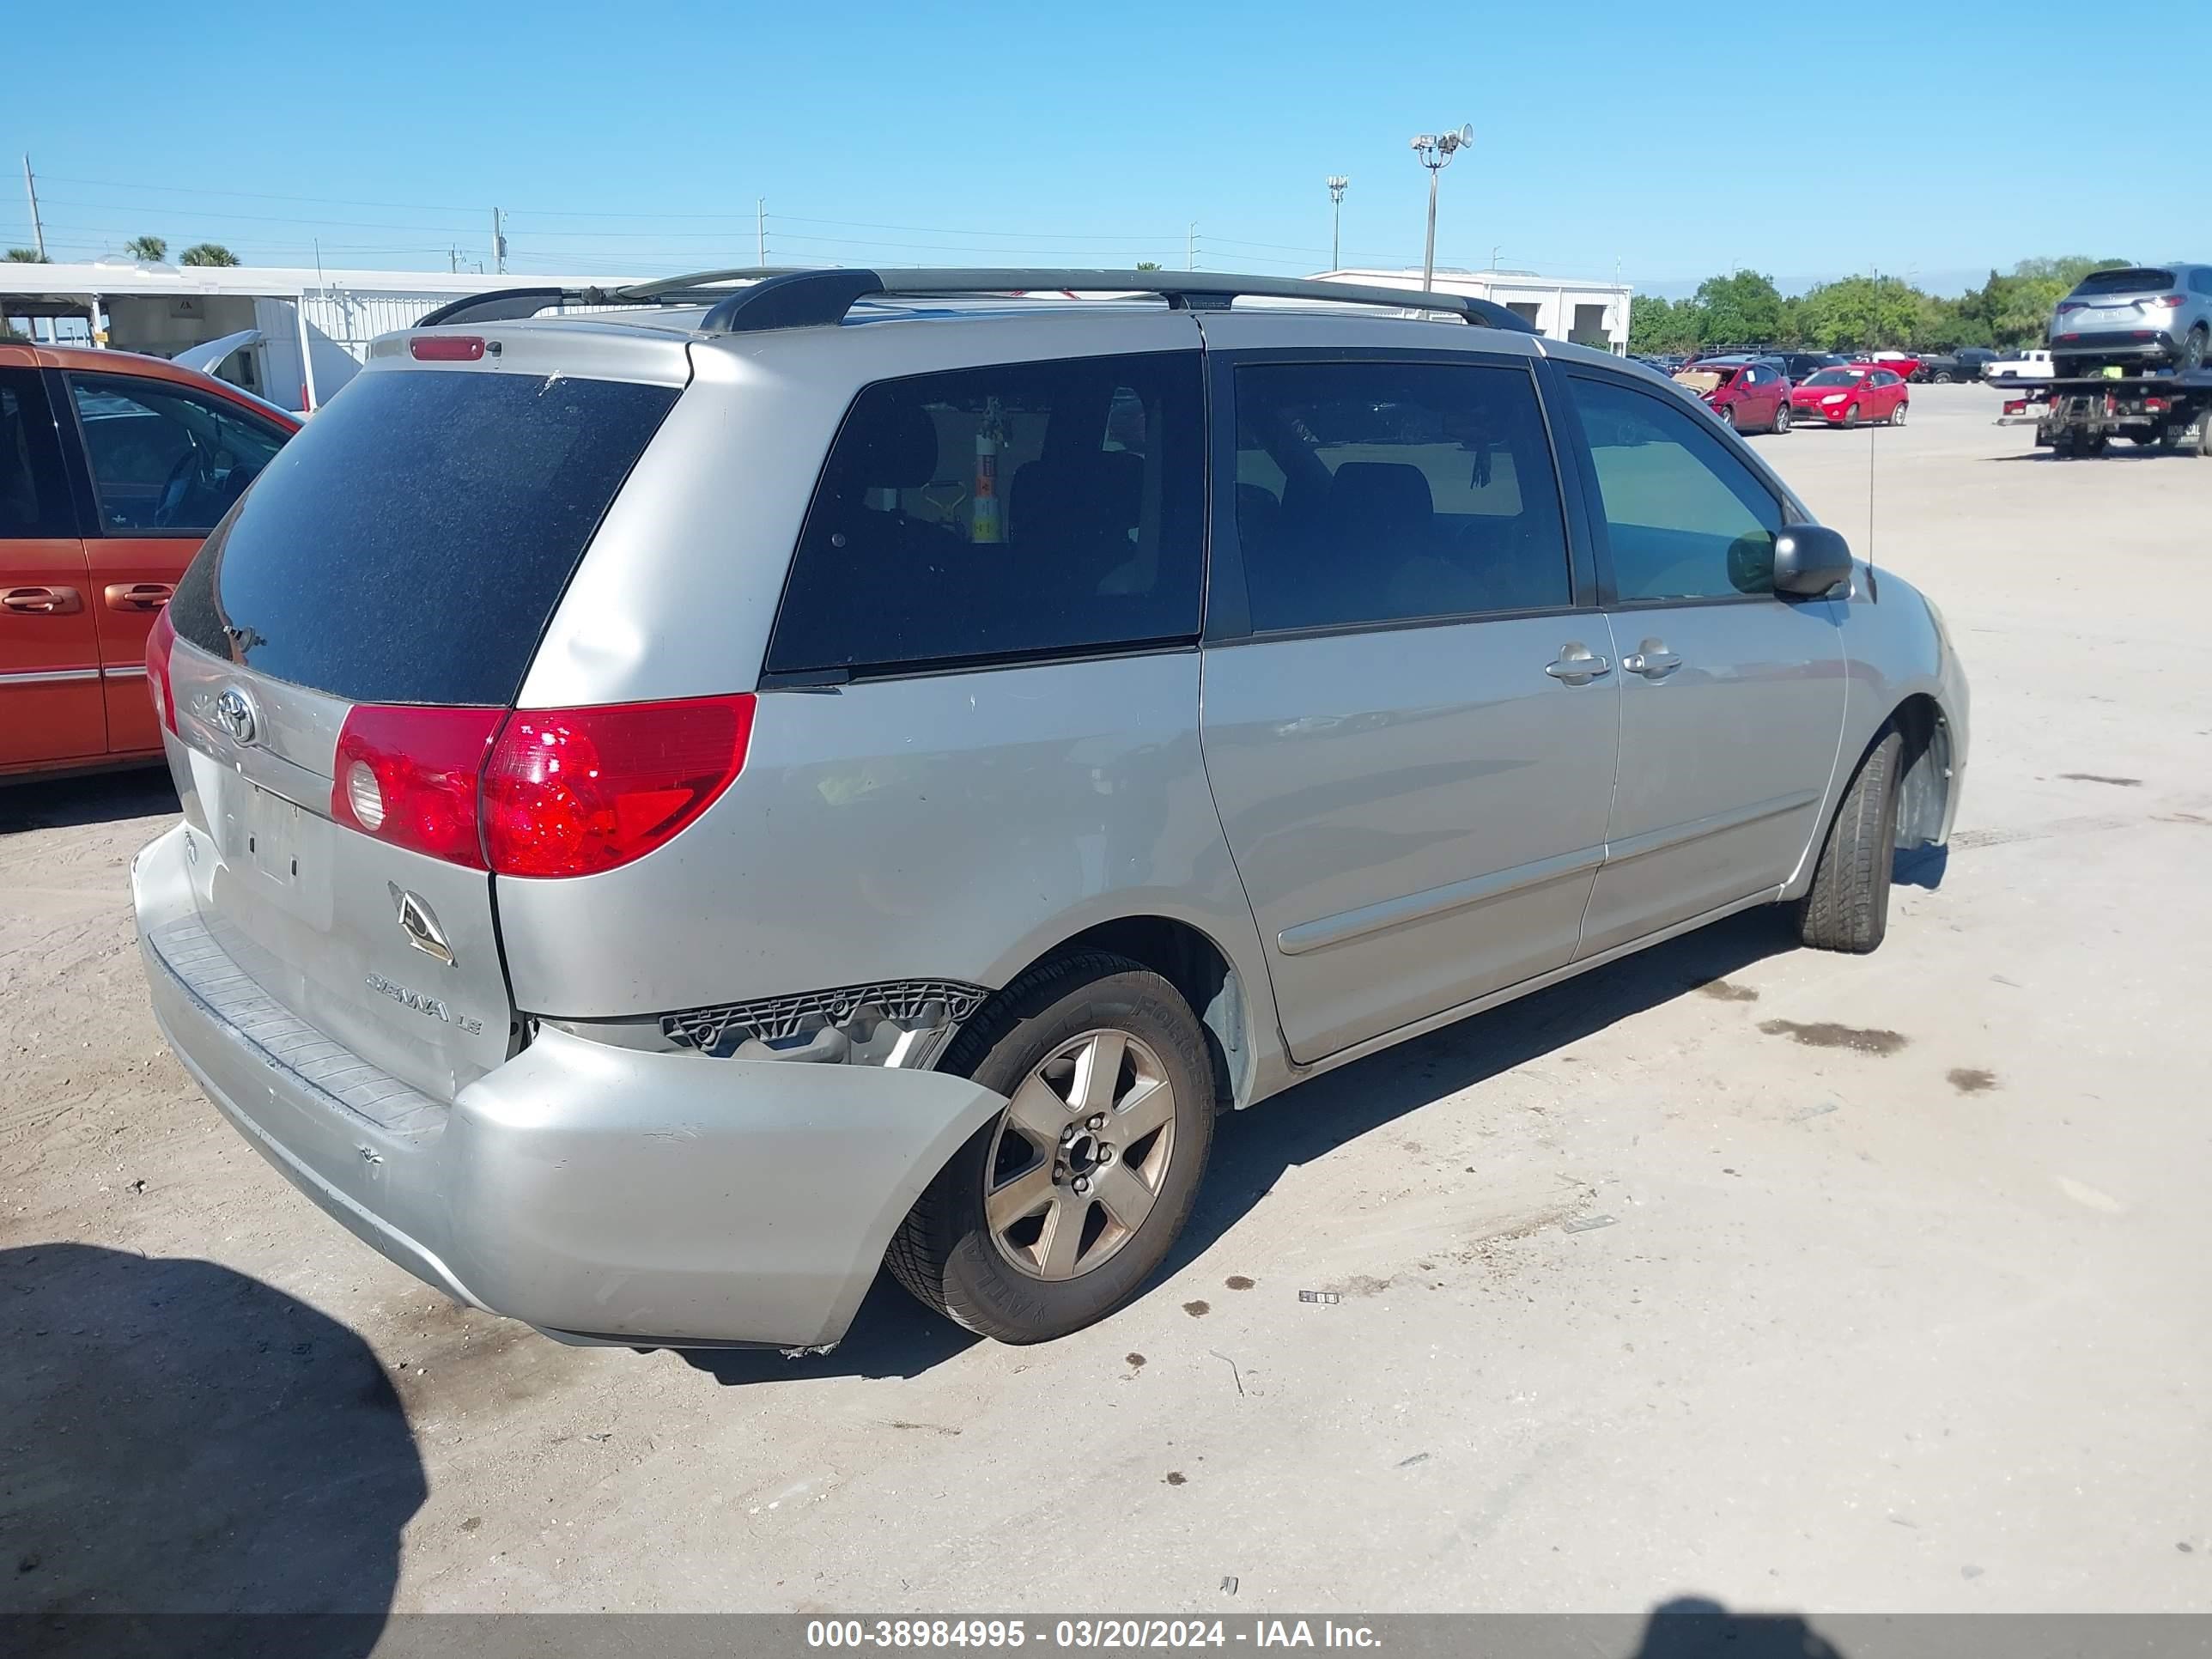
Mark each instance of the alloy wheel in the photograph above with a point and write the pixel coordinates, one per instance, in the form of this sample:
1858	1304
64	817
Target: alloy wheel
1081	1153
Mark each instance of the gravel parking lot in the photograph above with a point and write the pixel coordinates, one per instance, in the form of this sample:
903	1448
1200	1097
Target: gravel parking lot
1795	1281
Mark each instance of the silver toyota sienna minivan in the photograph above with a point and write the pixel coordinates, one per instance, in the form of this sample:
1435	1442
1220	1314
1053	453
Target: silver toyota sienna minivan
697	796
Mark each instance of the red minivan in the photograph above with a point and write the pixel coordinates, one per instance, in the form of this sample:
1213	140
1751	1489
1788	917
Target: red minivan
114	467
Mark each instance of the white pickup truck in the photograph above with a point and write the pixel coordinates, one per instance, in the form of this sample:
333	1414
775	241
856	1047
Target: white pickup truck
2029	365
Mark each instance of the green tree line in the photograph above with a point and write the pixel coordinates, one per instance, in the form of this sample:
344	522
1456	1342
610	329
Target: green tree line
1745	308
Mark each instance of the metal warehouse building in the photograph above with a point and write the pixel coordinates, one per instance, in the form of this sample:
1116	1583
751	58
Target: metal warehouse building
1588	313
295	336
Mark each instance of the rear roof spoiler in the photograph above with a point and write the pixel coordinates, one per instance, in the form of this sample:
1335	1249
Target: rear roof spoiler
785	298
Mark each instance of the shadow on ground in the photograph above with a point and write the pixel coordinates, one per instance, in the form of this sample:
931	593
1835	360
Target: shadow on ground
1691	1627
1251	1150
182	1439
70	802
892	1336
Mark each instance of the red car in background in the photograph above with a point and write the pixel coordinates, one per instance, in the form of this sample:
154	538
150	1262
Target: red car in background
1848	395
114	467
1902	364
1747	393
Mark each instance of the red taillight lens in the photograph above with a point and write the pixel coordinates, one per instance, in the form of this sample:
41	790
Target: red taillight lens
410	776
2065	306
158	642
446	348
571	791
2015	406
2167	302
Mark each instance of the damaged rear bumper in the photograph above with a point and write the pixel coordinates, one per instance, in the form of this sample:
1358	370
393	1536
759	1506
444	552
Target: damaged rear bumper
593	1191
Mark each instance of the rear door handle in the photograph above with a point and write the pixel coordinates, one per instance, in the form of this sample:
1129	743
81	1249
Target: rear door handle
139	596
1654	661
1577	665
43	601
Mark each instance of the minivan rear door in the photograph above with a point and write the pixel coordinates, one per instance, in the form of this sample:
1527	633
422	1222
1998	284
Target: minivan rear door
405	549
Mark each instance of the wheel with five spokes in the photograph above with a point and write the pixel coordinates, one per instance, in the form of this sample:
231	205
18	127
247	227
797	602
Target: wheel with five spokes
1058	1210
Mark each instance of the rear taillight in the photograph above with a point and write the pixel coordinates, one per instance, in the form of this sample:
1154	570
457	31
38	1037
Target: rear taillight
410	776
2065	306
158	645
536	792
571	791
2166	302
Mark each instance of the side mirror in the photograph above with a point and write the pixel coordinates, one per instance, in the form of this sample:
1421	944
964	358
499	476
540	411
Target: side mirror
1809	559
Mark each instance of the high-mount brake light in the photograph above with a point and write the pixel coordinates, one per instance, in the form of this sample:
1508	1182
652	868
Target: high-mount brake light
446	348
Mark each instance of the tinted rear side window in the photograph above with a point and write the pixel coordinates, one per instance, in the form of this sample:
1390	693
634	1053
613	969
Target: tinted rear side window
410	544
2124	282
1022	510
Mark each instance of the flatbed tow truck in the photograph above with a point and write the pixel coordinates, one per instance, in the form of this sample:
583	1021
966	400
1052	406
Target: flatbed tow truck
2078	413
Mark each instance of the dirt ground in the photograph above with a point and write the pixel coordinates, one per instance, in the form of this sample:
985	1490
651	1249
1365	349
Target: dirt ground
1795	1281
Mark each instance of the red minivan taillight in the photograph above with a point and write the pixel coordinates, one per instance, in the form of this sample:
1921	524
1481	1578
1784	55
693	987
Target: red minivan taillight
410	776
536	792
571	791
158	644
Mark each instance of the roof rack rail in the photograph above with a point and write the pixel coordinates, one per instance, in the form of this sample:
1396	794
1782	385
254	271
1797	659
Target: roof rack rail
500	305
814	297
784	297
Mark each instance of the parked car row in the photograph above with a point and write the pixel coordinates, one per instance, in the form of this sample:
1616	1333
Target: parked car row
1755	394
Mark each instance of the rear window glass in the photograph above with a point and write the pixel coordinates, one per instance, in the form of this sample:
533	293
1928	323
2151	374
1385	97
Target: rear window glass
1021	510
2123	282
1836	377
411	543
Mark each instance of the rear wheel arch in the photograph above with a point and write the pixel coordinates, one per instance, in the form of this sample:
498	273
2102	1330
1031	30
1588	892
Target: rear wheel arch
1203	975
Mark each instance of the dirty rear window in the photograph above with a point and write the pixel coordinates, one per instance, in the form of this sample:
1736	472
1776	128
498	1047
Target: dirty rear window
410	544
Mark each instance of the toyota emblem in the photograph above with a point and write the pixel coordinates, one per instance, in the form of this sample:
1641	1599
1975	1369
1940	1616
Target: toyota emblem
234	712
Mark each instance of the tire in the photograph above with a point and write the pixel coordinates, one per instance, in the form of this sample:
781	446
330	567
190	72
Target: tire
1943	377
2204	434
1726	415
2193	348
1847	907
1781	418
1850	417
1897	415
1036	1043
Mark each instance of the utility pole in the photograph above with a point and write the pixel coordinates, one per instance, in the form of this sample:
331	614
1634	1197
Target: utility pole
31	190
1337	182
1190	248
760	230
498	246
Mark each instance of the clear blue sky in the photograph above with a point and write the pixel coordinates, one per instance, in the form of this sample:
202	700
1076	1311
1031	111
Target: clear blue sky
1676	140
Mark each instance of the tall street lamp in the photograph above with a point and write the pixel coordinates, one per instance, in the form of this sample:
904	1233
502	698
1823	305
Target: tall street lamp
1435	151
1337	182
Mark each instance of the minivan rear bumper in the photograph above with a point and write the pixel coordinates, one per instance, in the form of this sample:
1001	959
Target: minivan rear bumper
593	1191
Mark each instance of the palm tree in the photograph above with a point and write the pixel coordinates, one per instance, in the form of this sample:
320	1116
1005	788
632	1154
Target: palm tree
147	250
207	253
25	256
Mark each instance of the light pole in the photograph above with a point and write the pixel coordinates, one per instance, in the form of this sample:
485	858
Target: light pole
1435	151
1337	182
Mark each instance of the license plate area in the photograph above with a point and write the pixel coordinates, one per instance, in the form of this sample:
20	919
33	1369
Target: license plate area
265	836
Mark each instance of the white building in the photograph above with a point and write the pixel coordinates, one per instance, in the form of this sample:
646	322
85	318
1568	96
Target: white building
1590	313
301	334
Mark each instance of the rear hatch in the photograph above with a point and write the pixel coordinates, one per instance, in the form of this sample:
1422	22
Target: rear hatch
395	566
2109	301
